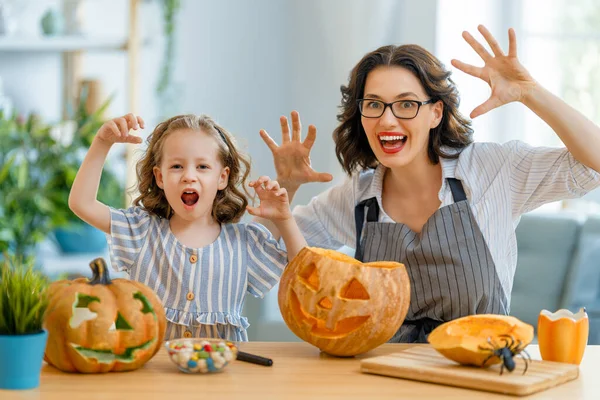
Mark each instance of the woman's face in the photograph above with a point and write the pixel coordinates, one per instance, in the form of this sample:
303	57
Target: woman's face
398	142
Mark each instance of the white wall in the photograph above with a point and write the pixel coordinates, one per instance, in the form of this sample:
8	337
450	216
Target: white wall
247	63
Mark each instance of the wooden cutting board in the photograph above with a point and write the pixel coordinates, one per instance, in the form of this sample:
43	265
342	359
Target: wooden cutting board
424	363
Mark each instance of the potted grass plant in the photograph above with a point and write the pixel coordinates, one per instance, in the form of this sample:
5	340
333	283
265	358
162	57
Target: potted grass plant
23	302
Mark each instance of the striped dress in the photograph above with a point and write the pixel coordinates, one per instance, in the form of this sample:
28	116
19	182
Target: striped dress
202	289
501	182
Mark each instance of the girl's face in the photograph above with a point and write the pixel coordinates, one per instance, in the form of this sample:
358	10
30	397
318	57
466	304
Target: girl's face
191	173
398	142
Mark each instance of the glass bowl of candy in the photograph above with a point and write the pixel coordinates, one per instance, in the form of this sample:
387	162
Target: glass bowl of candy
200	355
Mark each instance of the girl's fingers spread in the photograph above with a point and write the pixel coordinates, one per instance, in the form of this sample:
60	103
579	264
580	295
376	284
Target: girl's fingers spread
114	128
141	122
259	190
133	139
123	126
273	185
263	179
132	122
253	211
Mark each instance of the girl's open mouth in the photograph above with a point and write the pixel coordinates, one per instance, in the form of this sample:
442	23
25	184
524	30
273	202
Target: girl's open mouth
392	143
189	198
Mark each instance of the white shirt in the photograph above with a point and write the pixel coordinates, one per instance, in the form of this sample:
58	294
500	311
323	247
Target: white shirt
501	181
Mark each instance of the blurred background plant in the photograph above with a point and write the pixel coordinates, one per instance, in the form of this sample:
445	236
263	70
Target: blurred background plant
168	92
170	9
38	163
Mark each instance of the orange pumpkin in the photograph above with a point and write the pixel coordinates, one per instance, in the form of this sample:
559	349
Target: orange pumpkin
469	340
563	336
100	325
340	305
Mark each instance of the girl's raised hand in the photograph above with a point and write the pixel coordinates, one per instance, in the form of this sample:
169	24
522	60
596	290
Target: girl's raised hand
117	130
274	201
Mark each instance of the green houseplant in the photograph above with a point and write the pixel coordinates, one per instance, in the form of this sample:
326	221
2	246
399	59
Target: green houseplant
37	169
23	303
168	92
75	235
169	9
27	155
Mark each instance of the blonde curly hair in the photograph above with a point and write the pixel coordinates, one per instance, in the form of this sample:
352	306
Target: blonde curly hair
230	203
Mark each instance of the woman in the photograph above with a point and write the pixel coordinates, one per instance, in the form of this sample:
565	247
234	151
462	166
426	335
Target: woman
422	193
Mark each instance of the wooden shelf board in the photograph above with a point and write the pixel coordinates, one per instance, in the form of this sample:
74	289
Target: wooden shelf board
60	44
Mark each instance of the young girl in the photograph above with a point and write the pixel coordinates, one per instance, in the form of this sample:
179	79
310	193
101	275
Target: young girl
181	238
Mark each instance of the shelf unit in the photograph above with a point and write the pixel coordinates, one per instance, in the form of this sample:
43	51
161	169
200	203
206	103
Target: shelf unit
61	44
72	49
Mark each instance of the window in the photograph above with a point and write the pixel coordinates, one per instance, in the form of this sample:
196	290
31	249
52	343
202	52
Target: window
559	44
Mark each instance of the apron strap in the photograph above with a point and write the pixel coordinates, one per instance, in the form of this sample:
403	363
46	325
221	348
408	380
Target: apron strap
359	217
458	193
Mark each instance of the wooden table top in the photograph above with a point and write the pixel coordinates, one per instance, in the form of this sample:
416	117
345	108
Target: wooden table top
299	371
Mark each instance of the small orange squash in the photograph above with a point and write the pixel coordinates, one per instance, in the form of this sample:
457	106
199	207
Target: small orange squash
462	339
341	305
102	325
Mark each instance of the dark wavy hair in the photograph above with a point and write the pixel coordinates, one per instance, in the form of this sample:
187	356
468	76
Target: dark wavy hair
351	143
230	203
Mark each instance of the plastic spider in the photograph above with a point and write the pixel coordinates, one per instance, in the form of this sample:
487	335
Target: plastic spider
506	353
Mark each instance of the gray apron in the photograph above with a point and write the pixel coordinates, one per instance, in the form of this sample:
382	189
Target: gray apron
451	270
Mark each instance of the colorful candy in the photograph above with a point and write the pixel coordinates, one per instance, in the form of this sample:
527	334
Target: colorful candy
201	355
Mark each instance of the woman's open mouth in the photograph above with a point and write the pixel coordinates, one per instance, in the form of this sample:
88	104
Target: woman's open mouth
392	143
189	199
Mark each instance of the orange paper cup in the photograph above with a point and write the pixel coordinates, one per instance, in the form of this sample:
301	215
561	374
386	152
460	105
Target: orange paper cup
562	335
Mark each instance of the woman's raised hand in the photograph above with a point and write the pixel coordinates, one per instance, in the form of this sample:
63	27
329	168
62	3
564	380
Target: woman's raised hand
508	79
292	157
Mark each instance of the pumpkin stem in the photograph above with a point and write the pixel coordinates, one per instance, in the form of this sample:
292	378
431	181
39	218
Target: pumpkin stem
100	271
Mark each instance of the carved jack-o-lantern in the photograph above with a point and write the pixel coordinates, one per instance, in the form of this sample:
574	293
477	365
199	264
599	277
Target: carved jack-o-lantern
102	325
340	305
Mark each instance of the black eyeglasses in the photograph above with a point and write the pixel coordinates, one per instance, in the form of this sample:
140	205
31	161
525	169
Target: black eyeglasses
403	109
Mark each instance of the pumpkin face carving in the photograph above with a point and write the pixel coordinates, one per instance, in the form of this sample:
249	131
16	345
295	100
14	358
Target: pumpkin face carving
340	305
102	325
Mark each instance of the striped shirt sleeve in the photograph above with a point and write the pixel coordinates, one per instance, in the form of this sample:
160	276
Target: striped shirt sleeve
128	232
266	259
541	175
327	221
